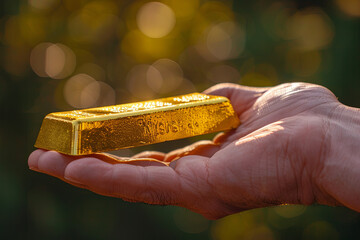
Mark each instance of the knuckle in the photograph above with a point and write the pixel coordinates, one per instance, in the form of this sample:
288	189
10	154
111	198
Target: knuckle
309	89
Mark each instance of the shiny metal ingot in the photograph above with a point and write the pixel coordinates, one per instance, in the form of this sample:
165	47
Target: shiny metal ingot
110	128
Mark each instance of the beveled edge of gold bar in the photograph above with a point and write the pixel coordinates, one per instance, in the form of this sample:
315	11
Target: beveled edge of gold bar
154	110
210	99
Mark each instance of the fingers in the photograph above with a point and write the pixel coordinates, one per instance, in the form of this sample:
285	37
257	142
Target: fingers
184	184
53	163
50	162
241	97
222	137
151	154
34	157
151	183
201	148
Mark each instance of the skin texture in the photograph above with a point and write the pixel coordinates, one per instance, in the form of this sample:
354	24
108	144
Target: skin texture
297	145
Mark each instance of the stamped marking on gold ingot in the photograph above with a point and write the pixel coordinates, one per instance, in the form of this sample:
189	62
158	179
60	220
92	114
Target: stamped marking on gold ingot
110	128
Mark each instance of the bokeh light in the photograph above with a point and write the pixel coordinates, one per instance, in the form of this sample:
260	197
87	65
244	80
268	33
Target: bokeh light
155	19
137	81
163	77
310	29
102	92
38	59
43	4
242	226
60	61
81	91
171	76
349	7
225	40
52	60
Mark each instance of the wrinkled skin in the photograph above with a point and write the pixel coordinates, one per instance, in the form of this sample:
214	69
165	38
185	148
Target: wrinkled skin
297	144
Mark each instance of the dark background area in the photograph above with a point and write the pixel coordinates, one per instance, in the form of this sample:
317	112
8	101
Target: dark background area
63	55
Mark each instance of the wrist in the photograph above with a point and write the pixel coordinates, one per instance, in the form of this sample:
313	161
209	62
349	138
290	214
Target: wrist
340	172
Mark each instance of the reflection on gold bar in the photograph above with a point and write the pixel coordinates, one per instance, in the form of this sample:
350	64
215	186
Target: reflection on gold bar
110	128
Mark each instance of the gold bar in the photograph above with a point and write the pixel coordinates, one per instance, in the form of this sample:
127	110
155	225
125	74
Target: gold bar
110	128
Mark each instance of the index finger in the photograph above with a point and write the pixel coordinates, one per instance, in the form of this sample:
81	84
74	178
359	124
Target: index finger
241	97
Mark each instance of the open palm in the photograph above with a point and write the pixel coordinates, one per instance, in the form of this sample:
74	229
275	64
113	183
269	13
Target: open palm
275	156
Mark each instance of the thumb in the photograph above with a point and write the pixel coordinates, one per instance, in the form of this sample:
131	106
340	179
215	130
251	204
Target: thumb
241	97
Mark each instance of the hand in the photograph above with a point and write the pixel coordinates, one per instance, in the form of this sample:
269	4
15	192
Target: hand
297	144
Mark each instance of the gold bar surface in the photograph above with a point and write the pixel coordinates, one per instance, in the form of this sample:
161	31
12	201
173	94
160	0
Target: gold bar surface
114	127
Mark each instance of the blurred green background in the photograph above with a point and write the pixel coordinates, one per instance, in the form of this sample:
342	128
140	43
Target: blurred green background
61	55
